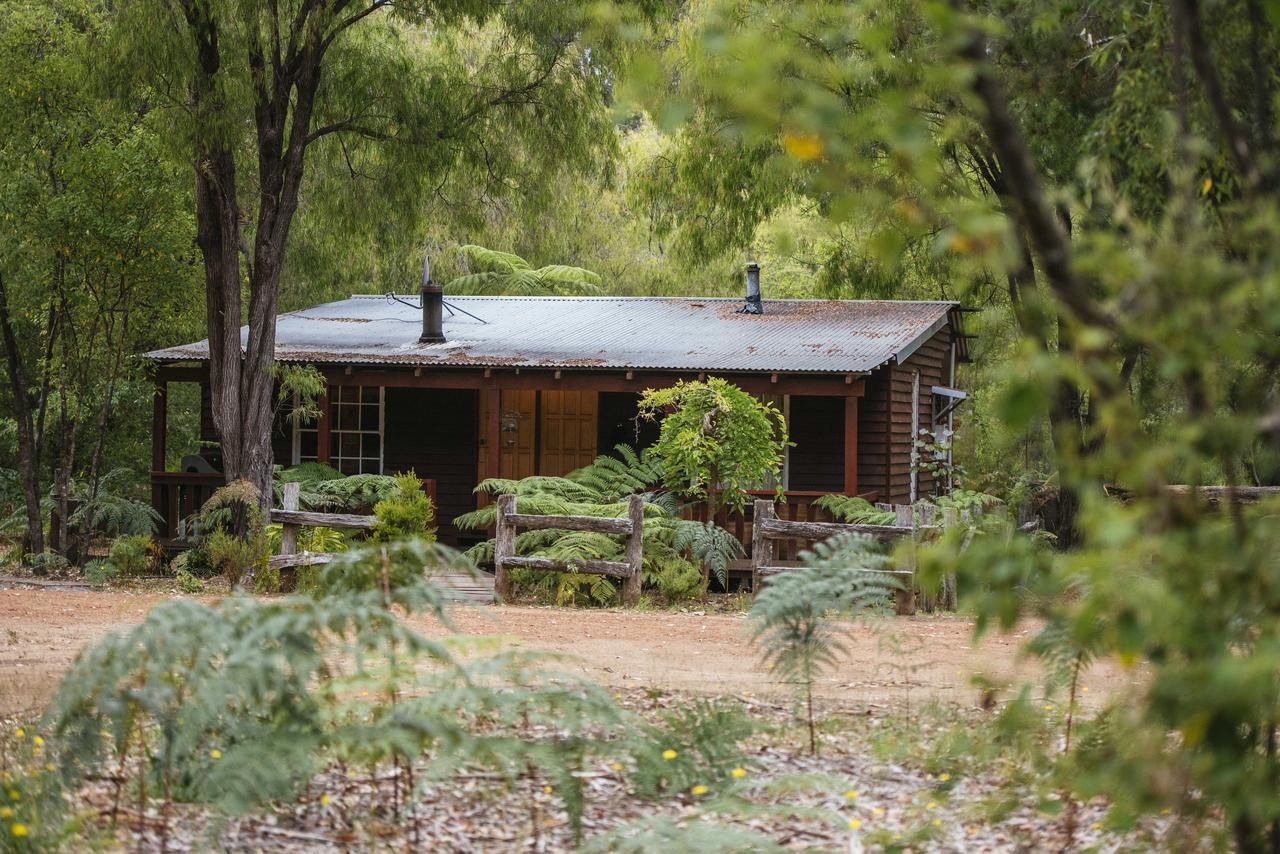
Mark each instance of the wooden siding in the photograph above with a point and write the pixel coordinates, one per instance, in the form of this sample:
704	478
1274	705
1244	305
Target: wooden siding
816	428
932	361
433	432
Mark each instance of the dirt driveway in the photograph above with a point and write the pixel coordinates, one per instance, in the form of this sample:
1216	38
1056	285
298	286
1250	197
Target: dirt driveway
890	661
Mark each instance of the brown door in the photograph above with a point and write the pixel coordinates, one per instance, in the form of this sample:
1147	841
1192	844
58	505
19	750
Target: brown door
568	431
517	433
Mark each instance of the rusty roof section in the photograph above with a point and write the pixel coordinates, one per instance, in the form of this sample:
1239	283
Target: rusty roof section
687	334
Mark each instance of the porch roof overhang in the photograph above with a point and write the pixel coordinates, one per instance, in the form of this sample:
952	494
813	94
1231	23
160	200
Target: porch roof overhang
832	337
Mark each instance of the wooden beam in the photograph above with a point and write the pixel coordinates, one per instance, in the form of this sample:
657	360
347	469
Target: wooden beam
323	427
493	433
780	529
851	446
321	520
612	568
159	424
601	525
527	380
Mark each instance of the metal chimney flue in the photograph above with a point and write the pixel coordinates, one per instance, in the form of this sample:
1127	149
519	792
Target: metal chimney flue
432	307
755	305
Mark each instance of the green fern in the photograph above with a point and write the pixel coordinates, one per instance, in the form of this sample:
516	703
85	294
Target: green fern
845	575
854	510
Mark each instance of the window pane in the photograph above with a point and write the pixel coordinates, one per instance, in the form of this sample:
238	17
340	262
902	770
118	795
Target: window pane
369	393
371	466
350	445
369	418
307	443
371	446
333	445
350	418
349	466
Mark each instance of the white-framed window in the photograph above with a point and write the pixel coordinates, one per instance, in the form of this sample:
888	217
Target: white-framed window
356	427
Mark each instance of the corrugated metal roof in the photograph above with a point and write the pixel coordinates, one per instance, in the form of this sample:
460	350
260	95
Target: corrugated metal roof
809	336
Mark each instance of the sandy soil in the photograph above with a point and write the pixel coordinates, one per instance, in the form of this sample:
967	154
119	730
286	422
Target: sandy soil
891	661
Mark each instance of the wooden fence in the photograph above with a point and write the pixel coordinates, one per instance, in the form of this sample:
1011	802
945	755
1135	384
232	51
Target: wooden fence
915	522
629	569
292	520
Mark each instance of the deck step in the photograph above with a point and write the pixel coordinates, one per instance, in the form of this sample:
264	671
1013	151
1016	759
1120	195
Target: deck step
463	585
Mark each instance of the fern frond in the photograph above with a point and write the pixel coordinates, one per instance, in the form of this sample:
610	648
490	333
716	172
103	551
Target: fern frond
854	510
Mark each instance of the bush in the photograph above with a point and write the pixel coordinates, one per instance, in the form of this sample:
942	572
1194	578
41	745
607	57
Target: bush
267	580
407	512
188	583
131	556
99	572
48	563
234	556
234	538
678	580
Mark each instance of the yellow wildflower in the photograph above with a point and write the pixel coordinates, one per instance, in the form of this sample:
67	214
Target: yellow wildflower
944	777
546	790
13	794
669	754
937	822
216	753
851	794
933	805
325	800
1048	707
802	146
49	766
1206	186
1097	825
616	766
37	740
698	790
738	773
6	812
855	823
20	732
877	810
18	829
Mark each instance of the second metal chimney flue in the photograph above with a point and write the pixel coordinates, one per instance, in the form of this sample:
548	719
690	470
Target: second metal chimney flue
755	305
432	307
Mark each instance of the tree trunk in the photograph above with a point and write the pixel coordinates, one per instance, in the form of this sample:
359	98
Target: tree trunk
28	462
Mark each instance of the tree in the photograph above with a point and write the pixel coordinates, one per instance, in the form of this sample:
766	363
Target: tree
390	90
94	233
504	273
1137	230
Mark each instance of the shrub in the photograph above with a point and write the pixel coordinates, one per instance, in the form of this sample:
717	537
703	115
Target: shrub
267	580
677	580
234	556
407	512
99	572
131	556
48	563
234	539
188	583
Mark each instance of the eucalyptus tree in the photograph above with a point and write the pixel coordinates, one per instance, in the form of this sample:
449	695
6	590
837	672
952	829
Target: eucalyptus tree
94	234
403	94
1139	181
856	111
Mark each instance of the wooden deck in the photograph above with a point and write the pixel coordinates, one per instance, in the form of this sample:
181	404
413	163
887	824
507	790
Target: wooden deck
462	586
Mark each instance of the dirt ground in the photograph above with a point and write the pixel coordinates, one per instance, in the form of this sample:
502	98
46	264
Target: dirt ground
890	661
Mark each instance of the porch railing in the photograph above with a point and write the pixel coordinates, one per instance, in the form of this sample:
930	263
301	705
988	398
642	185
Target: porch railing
796	506
175	495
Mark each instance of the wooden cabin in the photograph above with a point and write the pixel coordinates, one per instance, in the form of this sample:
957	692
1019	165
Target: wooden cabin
463	388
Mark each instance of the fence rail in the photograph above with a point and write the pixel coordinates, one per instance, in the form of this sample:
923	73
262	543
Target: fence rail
628	569
292	521
914	522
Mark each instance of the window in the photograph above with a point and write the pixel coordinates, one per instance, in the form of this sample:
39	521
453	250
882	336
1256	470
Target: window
355	431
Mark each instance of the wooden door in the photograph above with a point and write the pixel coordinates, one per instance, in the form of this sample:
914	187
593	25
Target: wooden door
519	430
516	434
568	431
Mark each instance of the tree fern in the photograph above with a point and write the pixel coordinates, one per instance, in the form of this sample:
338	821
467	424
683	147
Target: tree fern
505	273
854	510
790	616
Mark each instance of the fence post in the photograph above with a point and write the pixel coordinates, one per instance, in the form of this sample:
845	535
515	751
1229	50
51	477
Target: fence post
904	598
289	531
761	546
504	545
634	554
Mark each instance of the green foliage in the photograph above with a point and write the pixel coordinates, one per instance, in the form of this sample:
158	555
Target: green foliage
504	273
131	556
696	744
407	512
298	391
109	509
188	583
854	510
790	618
34	813
233	539
398	572
716	441
325	489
